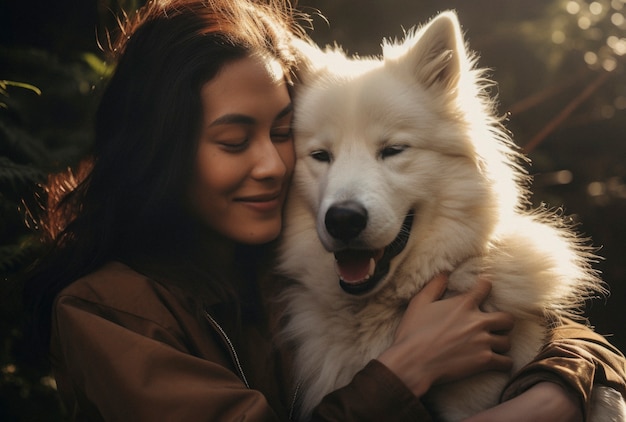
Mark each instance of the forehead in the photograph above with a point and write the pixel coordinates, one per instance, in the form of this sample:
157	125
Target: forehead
250	85
255	69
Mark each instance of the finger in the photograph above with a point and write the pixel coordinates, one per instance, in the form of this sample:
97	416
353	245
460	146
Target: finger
432	291
500	343
500	362
499	322
480	291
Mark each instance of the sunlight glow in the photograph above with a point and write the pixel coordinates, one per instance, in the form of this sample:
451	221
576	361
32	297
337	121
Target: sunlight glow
274	70
617	5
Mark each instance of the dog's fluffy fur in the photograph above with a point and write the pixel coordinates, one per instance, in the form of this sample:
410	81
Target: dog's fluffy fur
402	163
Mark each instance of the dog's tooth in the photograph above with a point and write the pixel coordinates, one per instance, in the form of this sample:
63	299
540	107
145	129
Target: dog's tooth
372	268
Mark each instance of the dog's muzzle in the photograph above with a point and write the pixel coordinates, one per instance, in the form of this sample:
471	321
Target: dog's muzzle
360	270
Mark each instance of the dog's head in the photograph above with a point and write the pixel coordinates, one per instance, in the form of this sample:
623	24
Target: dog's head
396	154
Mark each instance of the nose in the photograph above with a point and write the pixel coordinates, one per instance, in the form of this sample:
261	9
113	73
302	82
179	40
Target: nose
346	220
269	164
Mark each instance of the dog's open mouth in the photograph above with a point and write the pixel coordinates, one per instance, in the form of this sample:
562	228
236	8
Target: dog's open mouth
360	270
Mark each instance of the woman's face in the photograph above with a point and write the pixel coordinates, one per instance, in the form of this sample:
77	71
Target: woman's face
245	154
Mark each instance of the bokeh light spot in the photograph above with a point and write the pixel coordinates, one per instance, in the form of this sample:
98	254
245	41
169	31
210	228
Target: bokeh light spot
607	111
596	8
617	19
620	102
584	22
572	7
558	37
591	58
609	64
596	188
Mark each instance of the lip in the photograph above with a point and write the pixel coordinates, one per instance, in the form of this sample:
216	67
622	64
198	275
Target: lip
263	202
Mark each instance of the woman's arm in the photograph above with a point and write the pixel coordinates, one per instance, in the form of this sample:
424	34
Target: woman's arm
576	358
543	402
557	385
375	394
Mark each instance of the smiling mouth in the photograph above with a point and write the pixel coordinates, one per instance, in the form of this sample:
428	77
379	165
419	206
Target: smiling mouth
360	270
260	198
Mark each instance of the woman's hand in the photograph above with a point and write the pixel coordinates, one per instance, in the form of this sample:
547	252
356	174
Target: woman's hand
439	341
544	402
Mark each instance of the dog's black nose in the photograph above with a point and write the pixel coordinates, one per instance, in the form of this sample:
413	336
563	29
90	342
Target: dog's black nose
345	220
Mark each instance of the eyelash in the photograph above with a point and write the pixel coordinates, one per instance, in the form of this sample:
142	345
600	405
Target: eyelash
282	136
277	137
235	147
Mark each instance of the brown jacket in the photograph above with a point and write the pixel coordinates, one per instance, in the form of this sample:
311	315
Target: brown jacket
125	349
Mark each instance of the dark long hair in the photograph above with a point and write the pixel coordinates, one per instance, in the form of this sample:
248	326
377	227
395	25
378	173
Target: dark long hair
127	201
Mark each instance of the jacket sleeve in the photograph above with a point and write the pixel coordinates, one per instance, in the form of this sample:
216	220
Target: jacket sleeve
379	395
123	368
576	358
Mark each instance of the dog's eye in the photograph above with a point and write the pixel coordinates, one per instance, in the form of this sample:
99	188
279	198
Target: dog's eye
392	150
321	155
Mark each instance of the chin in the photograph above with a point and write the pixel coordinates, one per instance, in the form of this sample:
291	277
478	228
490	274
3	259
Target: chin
260	237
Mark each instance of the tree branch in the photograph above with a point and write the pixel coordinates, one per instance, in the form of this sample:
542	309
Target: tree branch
566	112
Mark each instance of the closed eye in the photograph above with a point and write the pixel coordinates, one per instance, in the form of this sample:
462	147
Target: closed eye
391	150
234	145
321	155
281	134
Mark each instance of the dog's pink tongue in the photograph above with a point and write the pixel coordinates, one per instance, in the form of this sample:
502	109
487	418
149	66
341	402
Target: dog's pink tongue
354	266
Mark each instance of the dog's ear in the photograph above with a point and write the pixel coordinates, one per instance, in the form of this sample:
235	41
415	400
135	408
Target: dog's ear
314	62
311	60
435	54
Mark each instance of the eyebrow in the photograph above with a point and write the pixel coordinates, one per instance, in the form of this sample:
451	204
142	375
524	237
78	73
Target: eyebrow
243	119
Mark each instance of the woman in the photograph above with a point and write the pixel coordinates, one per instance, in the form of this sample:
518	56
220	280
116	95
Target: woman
149	301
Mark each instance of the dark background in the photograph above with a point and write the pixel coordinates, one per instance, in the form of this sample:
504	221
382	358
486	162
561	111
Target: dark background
561	80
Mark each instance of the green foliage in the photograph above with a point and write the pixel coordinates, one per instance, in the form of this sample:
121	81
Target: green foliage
45	126
5	84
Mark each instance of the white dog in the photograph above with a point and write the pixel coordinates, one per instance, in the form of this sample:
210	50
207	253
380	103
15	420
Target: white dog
404	172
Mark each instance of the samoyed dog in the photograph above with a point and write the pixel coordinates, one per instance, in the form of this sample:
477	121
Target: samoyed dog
404	172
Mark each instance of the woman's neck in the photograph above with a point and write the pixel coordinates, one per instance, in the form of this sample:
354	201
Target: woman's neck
210	248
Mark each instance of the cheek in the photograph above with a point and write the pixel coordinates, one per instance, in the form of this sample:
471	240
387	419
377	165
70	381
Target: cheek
213	177
288	155
218	169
